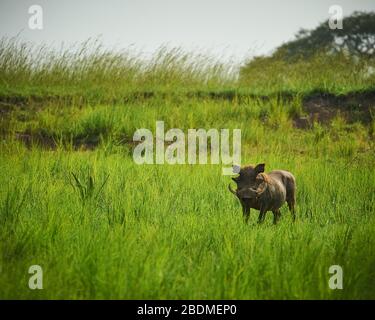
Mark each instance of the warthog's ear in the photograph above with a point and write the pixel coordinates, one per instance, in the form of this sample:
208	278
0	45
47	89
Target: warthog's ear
260	167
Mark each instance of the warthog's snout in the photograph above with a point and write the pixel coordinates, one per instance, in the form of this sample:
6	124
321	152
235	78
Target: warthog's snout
245	193
264	192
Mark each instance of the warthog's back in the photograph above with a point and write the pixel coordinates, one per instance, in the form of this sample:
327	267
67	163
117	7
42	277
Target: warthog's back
286	178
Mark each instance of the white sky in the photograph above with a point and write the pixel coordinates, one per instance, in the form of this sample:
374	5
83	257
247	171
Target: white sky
236	28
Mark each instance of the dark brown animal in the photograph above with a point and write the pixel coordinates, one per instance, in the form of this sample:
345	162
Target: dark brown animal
264	192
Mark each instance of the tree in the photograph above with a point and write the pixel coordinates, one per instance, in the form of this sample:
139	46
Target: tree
356	38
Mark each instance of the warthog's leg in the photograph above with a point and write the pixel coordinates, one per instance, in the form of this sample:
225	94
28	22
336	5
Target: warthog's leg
276	215
291	204
262	216
245	210
247	215
291	200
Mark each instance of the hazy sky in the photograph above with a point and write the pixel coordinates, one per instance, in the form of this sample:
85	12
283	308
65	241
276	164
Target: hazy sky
225	27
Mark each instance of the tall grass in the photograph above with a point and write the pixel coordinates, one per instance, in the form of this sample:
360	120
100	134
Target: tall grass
91	70
335	73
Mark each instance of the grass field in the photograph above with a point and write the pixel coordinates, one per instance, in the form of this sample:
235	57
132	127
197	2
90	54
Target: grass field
128	231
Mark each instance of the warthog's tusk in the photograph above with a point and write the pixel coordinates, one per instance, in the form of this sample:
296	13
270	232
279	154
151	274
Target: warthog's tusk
231	190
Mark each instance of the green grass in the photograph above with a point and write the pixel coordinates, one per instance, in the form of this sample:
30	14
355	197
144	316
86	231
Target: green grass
73	201
176	232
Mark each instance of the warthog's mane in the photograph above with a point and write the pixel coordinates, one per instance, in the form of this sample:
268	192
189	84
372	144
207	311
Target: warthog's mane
266	178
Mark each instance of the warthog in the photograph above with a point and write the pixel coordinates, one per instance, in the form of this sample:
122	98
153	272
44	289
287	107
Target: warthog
264	191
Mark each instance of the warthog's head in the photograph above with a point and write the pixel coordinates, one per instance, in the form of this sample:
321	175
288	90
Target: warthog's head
250	181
